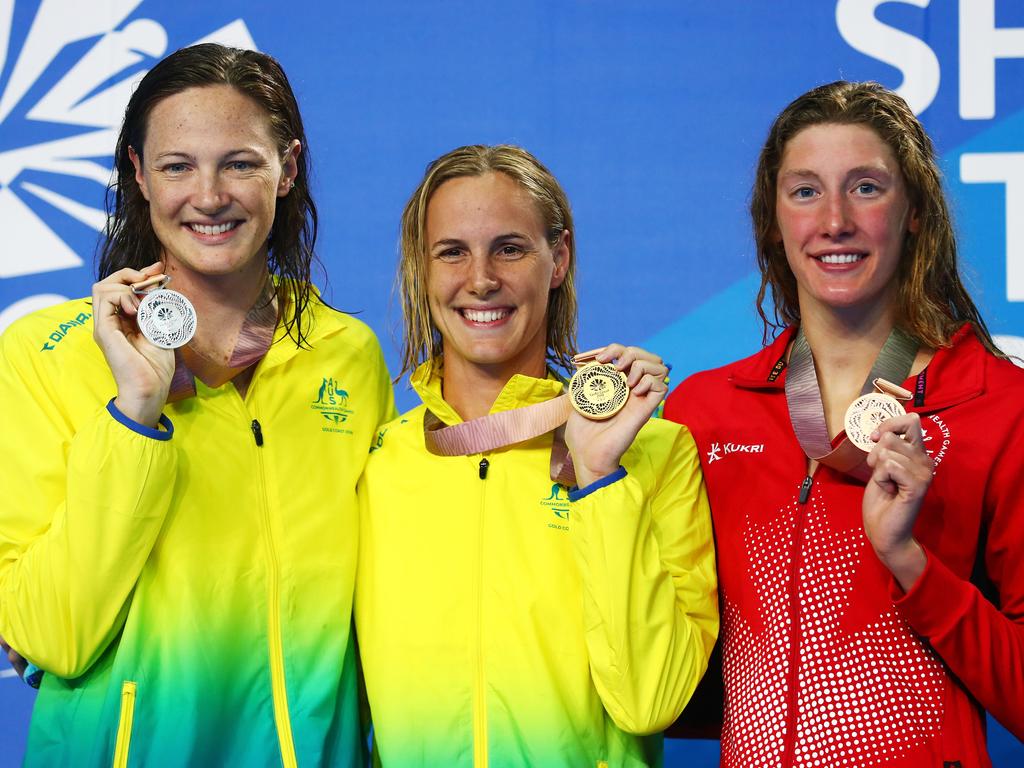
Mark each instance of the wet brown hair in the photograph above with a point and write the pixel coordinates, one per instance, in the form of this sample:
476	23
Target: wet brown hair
932	300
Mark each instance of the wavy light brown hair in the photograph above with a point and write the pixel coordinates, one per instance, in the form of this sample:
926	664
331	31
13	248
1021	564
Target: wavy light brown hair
422	342
130	240
933	302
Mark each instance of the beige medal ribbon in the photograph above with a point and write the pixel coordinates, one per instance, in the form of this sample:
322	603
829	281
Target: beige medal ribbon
597	391
807	414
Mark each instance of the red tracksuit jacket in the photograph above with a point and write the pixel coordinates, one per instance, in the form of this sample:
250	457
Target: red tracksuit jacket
826	661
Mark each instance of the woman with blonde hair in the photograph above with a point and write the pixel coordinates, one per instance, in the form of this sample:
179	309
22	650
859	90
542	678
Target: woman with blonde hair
504	617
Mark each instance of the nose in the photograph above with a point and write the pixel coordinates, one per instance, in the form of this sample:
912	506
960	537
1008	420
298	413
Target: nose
837	221
210	195
483	279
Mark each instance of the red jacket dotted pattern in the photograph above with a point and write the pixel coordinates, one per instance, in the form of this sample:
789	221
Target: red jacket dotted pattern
826	661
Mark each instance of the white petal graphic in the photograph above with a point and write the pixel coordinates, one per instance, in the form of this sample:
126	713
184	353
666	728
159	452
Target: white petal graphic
84	213
113	53
61	156
31	245
6	17
56	24
235	34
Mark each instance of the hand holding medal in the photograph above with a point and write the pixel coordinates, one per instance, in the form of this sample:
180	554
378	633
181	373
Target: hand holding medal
613	394
142	370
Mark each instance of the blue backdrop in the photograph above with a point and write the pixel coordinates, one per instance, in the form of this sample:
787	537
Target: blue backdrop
650	113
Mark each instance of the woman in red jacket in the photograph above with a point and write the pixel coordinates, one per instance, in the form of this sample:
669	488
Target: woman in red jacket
873	596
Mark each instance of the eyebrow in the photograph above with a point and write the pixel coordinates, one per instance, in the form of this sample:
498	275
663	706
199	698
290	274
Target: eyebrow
187	156
860	170
496	239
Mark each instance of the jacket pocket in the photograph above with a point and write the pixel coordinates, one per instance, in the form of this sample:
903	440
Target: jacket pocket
124	725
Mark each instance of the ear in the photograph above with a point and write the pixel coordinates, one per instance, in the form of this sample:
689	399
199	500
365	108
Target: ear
914	222
562	254
140	177
290	168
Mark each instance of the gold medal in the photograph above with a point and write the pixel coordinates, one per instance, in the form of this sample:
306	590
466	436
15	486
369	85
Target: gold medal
598	391
867	412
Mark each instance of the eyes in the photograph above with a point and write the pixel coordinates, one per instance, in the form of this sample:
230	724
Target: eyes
867	189
502	252
235	166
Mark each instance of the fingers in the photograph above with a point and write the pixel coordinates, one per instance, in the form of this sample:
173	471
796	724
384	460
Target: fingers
899	466
645	371
113	295
908	425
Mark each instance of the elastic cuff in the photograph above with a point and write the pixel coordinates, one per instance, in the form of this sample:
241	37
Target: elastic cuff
142	429
575	494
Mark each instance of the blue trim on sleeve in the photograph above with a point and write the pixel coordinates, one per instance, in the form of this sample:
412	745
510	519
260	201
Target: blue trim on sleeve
33	675
142	429
575	494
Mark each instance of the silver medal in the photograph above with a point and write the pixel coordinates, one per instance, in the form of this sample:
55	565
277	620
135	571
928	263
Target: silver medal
167	318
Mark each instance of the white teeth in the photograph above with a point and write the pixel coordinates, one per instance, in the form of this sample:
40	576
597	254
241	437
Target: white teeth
484	315
213	229
840	258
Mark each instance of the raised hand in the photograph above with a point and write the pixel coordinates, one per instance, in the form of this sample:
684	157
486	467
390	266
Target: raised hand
901	474
597	446
142	370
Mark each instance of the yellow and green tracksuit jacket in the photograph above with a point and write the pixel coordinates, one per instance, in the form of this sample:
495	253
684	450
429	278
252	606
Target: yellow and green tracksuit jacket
503	621
188	594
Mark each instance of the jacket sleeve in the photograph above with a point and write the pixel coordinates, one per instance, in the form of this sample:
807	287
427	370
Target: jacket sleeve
982	644
83	505
644	546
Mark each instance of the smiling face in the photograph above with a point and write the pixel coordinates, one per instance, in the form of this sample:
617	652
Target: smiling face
489	275
842	215
212	174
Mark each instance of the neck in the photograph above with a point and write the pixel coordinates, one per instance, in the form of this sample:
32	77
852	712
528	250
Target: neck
222	303
471	389
845	342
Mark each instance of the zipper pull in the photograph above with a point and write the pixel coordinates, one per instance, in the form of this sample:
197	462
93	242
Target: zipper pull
484	464
257	432
805	489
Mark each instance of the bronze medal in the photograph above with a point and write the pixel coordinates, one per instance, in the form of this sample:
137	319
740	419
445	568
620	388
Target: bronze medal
866	413
598	391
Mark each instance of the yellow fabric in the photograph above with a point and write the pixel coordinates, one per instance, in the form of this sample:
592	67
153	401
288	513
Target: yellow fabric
500	624
213	573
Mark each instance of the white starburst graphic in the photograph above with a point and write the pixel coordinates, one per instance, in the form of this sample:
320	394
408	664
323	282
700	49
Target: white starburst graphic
83	107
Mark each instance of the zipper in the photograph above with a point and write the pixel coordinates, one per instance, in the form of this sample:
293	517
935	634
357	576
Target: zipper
278	687
257	431
124	724
794	615
480	710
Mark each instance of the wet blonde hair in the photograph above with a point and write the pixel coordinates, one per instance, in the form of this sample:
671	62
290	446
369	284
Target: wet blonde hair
422	342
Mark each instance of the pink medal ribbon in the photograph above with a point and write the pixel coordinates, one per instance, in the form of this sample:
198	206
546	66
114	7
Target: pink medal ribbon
596	390
807	414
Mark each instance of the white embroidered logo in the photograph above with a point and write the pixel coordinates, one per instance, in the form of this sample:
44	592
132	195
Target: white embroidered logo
935	447
721	450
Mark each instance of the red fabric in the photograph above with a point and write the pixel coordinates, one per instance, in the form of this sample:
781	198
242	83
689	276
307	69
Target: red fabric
826	662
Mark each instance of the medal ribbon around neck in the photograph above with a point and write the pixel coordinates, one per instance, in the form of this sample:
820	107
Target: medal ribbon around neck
253	342
807	413
597	391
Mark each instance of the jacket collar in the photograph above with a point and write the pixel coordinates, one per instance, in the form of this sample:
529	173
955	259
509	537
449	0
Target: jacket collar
319	320
518	391
956	373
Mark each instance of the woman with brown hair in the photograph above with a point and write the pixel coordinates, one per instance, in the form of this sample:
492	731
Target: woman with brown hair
851	535
178	533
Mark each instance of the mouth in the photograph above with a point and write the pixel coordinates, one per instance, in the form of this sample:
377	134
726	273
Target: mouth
485	316
213	229
841	258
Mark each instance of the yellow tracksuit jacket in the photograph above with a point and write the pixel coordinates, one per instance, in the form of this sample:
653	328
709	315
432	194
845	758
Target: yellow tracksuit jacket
189	598
502	624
